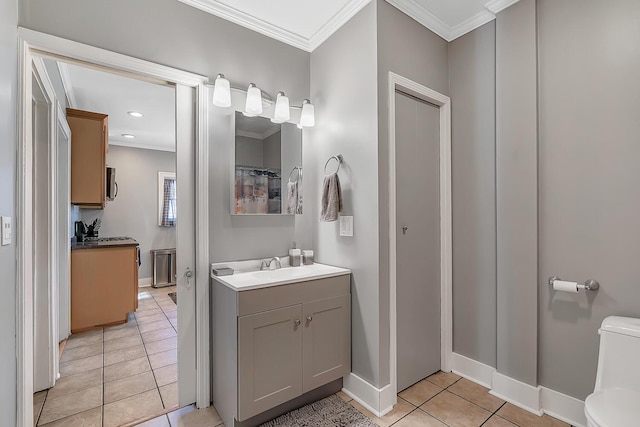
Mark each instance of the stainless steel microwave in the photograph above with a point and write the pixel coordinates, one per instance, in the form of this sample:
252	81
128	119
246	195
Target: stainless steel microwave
112	185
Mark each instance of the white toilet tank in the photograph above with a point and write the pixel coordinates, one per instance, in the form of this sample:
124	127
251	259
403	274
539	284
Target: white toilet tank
619	358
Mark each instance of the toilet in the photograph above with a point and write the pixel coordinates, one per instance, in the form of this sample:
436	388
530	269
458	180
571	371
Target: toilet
615	401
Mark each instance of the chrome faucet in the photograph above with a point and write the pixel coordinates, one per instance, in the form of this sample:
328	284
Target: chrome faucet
267	264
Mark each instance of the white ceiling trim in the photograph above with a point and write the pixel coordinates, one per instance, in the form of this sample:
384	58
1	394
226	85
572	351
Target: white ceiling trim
276	32
471	24
141	146
496	6
66	84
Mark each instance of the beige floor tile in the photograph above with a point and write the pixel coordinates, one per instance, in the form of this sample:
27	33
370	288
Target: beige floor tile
418	418
169	394
344	396
158	360
117	334
166	375
419	393
524	418
496	421
148	313
90	418
171	315
74	403
190	416
73	383
477	394
138	407
130	324
142	306
443	379
122	343
151	319
128	386
38	403
84	339
174	323
81	365
160	324
74	353
124	355
161	421
455	411
162	345
401	409
158	334
126	369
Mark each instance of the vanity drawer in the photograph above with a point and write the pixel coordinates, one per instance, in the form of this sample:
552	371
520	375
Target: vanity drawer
258	300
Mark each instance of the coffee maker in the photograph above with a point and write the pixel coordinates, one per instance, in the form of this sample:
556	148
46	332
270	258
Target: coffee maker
80	231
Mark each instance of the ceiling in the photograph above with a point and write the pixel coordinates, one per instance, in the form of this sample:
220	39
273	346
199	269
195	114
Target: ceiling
305	24
115	95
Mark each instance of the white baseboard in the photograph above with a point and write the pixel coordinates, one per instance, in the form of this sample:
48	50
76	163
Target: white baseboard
516	392
144	282
563	407
472	370
378	401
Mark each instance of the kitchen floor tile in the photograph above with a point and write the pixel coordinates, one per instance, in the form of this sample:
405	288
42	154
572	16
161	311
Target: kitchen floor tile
74	353
420	392
477	394
74	403
72	383
138	407
90	418
158	360
111	335
190	416
84	339
148	313
162	345
123	355
401	409
443	379
122	343
174	323
81	365
158	334
166	375
524	418
151	319
455	411
128	386
169	395
496	421
126	369
161	421
129	324
419	418
38	403
161	324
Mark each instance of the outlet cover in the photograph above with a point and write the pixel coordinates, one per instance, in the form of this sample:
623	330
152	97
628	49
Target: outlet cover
346	226
6	230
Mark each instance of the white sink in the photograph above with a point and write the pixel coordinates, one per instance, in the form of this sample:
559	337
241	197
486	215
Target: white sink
282	276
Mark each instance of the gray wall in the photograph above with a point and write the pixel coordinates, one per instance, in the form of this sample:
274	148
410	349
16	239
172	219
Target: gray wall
134	212
472	70
412	51
343	85
56	80
589	179
8	99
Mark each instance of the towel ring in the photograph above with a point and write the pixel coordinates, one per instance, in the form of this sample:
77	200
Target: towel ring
295	168
338	159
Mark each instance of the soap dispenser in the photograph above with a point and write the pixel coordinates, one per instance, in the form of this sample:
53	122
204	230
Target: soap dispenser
295	256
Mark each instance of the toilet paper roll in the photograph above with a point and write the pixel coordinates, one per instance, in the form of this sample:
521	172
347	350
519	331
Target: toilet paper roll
561	285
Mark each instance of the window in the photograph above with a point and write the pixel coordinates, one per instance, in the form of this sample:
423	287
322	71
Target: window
167	199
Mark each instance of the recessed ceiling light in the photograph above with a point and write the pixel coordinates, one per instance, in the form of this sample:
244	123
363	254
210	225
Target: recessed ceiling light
135	113
128	135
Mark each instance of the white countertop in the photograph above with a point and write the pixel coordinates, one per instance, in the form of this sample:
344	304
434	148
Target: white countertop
243	281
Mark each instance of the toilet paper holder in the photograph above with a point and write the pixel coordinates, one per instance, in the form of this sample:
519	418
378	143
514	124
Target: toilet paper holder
589	285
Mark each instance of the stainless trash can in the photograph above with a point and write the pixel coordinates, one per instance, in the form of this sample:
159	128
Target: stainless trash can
163	266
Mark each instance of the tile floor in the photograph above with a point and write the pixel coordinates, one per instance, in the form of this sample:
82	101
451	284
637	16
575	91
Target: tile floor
117	375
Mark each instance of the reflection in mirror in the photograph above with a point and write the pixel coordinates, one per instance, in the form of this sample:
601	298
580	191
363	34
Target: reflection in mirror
267	167
167	199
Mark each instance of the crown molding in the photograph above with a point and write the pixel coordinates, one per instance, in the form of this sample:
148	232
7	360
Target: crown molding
278	33
495	6
423	16
67	85
471	24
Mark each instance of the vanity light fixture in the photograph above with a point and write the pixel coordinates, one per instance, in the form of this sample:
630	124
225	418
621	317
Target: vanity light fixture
128	135
281	113
222	92
135	113
307	116
253	106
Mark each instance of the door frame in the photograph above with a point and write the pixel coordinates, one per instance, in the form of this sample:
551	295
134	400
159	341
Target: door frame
33	43
443	102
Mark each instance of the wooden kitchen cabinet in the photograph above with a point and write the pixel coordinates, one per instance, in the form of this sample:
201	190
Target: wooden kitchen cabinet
89	145
104	286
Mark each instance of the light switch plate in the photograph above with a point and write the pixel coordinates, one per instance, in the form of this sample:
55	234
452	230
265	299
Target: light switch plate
346	226
6	230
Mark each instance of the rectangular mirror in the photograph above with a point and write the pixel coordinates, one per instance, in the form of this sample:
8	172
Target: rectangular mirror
267	166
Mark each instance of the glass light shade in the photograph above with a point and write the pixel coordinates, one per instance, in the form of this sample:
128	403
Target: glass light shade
281	113
254	100
308	115
222	92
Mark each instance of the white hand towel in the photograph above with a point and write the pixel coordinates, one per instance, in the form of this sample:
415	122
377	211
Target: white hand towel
292	197
331	198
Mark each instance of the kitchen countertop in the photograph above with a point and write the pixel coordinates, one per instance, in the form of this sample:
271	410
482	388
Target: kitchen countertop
94	244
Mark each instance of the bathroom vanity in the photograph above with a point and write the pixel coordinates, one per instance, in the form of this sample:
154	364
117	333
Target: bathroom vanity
278	336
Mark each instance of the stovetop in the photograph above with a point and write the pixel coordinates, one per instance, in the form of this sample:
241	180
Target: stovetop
112	239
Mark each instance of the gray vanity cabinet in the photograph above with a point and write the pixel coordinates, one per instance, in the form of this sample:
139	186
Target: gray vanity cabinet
275	344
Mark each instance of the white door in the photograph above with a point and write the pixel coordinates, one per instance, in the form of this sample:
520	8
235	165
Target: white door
417	239
185	243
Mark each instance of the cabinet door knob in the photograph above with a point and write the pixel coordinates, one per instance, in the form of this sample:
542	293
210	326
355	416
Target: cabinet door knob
309	318
297	322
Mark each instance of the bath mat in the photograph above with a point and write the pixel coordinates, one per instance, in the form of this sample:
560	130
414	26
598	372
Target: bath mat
329	412
173	296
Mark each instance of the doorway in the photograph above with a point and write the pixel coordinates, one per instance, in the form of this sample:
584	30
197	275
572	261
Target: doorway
191	171
420	311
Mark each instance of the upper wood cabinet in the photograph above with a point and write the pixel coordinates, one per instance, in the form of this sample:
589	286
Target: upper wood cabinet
89	145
